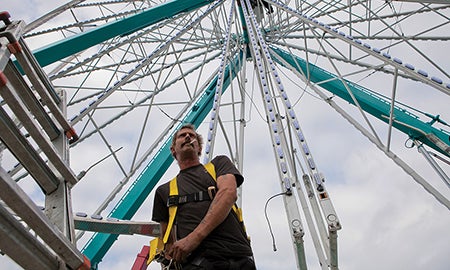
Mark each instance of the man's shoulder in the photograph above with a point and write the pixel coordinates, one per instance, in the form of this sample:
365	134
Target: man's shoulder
224	165
220	159
164	186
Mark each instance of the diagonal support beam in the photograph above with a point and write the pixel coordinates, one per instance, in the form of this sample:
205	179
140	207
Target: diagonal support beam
80	42
25	153
16	104
425	1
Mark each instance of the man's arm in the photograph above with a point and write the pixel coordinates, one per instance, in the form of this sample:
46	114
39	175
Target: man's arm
218	210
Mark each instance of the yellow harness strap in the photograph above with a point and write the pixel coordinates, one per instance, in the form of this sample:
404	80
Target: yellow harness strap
211	170
172	209
157	244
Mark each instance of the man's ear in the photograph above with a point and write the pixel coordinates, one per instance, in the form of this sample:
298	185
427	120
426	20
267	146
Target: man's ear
172	150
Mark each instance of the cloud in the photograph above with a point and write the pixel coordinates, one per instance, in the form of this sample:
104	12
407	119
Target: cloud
389	221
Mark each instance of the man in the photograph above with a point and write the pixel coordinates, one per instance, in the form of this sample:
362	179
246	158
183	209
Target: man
208	233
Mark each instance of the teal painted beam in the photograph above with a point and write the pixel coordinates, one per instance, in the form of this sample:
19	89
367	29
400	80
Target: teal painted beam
243	24
405	121
201	110
100	243
78	43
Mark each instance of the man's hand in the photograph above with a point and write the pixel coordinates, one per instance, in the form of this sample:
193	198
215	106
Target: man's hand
182	248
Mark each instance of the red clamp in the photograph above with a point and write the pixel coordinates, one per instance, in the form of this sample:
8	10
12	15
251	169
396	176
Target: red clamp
3	79
86	264
71	134
14	47
141	259
4	16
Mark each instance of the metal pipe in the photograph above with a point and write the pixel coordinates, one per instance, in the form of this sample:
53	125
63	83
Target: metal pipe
433	163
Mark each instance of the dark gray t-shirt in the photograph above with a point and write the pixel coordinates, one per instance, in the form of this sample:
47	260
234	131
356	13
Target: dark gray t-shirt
228	239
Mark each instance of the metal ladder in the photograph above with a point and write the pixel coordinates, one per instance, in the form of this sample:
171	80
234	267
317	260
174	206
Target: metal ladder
34	129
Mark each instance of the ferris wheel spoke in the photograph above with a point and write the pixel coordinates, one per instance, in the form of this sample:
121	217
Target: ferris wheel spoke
145	99
132	89
219	87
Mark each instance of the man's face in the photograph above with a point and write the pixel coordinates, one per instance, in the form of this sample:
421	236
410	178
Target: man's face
186	144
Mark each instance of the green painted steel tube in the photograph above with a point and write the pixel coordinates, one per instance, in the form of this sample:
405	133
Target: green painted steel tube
300	249
100	243
78	43
244	26
333	250
405	121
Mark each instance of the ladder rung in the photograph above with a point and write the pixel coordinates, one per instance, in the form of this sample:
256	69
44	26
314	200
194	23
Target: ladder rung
26	154
42	86
28	121
30	100
27	62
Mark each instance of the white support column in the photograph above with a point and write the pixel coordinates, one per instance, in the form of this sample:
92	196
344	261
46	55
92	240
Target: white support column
290	201
58	204
433	163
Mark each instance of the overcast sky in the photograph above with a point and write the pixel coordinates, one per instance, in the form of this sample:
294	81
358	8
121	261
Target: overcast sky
389	221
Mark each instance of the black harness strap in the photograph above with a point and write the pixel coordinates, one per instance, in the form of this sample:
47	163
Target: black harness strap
193	197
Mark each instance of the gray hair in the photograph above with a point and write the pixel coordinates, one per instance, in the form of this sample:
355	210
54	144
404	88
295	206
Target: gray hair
199	137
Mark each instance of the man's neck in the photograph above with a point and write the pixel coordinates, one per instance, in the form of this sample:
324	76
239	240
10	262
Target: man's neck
184	164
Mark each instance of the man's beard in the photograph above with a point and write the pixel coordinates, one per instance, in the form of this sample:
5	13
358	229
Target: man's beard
190	152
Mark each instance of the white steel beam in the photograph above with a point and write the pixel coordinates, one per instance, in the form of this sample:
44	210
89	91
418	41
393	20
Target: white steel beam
22	247
16	104
426	1
116	226
26	154
31	101
13	195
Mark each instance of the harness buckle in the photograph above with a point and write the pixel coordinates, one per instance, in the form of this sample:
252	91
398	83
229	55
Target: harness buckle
172	200
212	192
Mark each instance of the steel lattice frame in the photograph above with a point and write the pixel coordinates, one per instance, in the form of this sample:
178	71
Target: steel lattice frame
129	91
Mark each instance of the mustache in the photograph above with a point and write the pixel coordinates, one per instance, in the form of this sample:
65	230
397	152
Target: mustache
191	142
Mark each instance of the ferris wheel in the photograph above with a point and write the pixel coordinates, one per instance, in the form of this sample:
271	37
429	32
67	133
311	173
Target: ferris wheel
254	77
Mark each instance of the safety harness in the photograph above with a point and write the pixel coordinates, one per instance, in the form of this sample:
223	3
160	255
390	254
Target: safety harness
157	245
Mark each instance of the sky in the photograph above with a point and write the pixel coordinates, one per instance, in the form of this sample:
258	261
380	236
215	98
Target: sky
388	220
